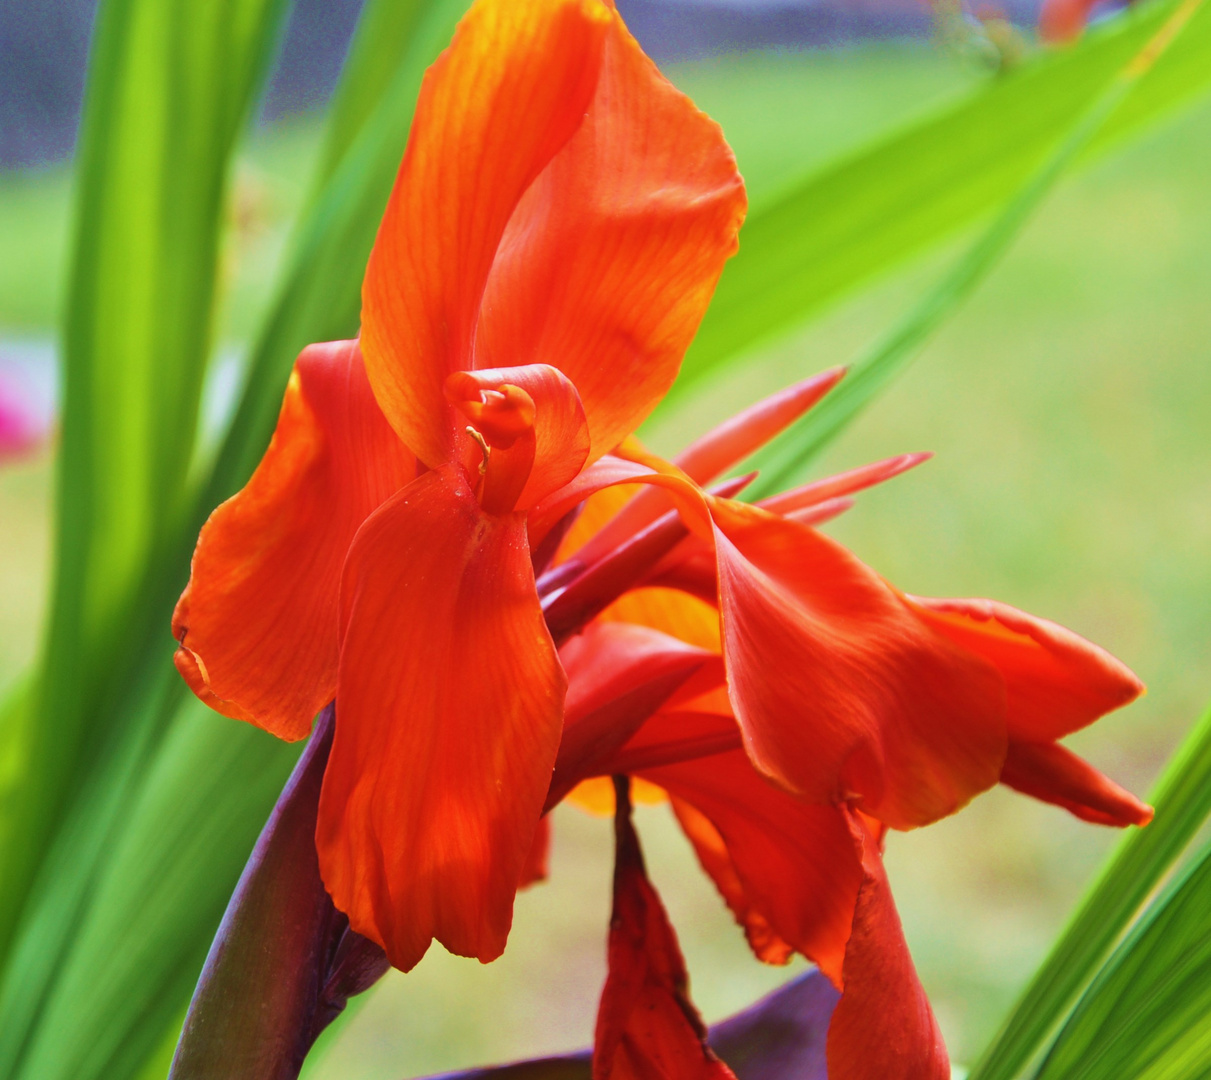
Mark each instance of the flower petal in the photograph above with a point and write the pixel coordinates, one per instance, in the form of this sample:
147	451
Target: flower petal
739	436
792	859
712	852
610	261
618	675
840	689
493	111
547	454
883	1025
1057	681
713	454
1056	775
646	1024
537	864
257	623
449	707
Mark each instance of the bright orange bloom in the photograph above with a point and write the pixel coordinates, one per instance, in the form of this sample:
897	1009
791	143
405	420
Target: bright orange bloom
881	710
557	227
559	222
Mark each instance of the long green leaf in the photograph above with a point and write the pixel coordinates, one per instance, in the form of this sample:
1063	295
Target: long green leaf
786	461
169	87
866	214
1182	799
89	927
135	955
1148	1014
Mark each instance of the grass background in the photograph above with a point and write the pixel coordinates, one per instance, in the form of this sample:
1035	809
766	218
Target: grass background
1068	405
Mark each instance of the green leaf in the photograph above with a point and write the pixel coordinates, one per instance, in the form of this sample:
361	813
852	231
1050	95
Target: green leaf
869	212
132	960
169	87
1182	799
320	295
1148	1013
785	462
116	904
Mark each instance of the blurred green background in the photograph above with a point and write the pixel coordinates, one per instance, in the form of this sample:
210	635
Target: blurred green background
1068	406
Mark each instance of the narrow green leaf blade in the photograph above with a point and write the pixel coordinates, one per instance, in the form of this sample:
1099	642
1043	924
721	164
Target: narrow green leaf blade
135	953
1148	1014
169	87
869	212
1182	799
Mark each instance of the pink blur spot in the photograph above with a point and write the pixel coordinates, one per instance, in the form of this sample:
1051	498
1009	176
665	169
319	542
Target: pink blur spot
23	427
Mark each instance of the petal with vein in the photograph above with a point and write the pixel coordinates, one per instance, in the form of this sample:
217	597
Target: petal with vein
449	707
609	263
494	110
258	621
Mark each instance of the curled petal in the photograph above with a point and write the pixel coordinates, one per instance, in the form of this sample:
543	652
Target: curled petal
883	1025
610	261
533	421
1057	682
646	1024
257	624
494	110
1056	775
449	707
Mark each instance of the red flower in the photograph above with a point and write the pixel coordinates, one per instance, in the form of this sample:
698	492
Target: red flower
560	219
943	699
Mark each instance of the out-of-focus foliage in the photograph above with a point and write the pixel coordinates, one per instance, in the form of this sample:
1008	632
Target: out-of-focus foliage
866	213
126	810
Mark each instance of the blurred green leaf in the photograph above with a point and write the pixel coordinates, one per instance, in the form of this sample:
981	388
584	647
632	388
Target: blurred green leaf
130	892
786	461
1148	1014
319	298
869	212
169	87
1182	799
134	956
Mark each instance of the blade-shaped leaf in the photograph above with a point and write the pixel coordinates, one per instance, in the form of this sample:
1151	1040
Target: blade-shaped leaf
169	87
124	972
1148	1014
1182	799
867	213
114	888
785	462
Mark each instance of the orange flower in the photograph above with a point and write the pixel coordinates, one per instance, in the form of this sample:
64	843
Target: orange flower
793	706
557	227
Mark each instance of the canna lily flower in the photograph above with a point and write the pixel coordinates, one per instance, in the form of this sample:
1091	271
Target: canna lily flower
654	694
557	227
406	548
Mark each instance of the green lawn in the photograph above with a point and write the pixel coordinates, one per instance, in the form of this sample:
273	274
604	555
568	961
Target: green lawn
1067	405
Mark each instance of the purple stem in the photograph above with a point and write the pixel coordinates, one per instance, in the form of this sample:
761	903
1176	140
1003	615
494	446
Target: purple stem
284	960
